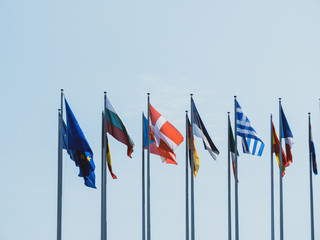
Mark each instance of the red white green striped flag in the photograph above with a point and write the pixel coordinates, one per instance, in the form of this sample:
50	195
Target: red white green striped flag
116	128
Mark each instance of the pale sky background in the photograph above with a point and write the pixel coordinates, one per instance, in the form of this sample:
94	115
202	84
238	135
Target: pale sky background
257	50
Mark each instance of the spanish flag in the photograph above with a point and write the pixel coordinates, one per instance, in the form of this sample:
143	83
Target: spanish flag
276	150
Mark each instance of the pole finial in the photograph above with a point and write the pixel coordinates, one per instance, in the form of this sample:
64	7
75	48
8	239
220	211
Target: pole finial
309	113
148	94
186	111
235	96
61	89
105	92
59	110
191	94
228	113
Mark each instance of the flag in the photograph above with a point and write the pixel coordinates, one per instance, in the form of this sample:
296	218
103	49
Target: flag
232	148
108	155
167	157
276	150
287	135
109	162
165	137
65	139
312	152
196	160
78	148
251	143
200	131
116	128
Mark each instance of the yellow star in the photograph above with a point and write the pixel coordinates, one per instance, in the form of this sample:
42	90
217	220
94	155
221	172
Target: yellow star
88	158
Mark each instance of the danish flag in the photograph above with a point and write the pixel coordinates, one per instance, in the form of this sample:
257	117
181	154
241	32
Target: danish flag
165	136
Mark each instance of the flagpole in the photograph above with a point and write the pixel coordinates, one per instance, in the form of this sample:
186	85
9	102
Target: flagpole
187	180
148	176
59	195
143	186
192	176
311	185
104	174
280	172
229	183
271	176
236	172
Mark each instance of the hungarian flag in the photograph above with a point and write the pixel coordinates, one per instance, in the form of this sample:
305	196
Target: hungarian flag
196	160
287	135
116	128
164	137
276	150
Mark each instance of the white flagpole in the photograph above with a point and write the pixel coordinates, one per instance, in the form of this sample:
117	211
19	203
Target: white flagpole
272	183
104	174
148	178
311	185
192	177
229	181
236	172
59	199
280	172
143	186
187	180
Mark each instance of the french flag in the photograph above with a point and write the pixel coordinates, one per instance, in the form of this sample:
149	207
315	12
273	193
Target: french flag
287	135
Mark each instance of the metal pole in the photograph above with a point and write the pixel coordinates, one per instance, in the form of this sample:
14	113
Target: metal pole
143	186
59	200
271	176
148	178
229	181
280	172
192	177
187	179
104	174
236	172
311	185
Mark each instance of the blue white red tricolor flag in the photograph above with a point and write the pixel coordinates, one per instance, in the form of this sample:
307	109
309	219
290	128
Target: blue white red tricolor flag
287	135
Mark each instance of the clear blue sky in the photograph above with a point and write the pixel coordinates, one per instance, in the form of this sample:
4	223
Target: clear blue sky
257	50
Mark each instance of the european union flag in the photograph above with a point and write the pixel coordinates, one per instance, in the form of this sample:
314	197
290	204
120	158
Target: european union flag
78	148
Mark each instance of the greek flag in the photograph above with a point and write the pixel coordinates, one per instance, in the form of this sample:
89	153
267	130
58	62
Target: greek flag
251	143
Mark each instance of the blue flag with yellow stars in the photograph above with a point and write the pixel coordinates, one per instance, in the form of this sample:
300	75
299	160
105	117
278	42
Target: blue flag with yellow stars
78	148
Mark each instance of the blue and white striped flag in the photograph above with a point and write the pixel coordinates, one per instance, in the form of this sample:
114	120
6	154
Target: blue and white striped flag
251	143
